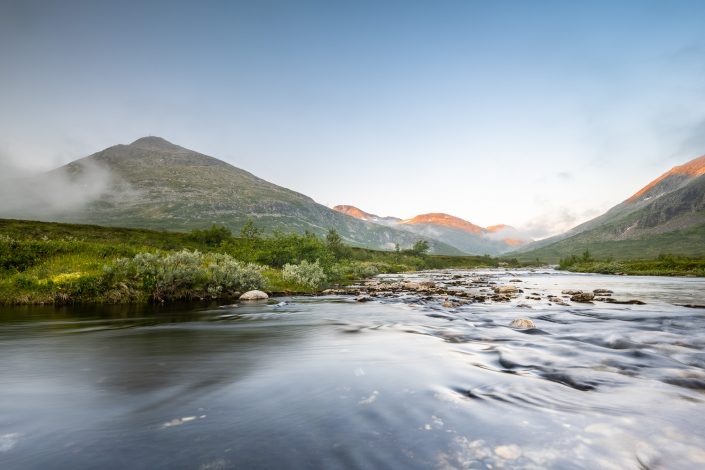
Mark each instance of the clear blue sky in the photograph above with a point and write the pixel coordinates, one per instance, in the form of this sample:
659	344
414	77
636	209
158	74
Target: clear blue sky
535	114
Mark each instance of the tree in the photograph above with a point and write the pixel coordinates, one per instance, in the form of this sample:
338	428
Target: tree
420	247
333	239
587	256
250	231
334	242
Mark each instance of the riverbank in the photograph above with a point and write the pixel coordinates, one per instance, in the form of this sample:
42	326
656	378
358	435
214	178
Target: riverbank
664	265
54	263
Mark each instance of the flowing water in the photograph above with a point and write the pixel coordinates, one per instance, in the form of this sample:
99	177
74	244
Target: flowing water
327	382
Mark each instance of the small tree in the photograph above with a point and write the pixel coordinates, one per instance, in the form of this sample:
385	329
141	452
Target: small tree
333	240
250	231
587	256
421	247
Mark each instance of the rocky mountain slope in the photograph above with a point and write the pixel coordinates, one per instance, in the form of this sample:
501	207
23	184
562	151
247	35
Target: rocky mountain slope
152	183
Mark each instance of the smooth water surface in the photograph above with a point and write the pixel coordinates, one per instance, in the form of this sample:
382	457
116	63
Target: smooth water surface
326	382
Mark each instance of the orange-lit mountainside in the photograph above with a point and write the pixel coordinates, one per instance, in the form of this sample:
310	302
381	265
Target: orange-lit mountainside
464	235
666	216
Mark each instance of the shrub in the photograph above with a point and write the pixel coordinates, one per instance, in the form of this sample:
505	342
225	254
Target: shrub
213	236
184	274
305	273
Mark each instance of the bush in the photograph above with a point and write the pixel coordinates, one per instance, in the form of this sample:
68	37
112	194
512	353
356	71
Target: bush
185	274
213	236
305	273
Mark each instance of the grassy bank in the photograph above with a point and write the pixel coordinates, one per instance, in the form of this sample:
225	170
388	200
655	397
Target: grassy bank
62	263
663	265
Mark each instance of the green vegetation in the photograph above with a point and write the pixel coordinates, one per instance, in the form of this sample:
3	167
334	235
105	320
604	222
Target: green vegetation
688	243
44	262
663	265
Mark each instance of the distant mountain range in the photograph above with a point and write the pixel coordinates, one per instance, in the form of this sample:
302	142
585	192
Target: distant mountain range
464	235
152	183
665	216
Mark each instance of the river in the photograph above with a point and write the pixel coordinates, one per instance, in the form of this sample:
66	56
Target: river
397	382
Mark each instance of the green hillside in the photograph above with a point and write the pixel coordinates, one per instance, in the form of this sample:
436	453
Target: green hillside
155	184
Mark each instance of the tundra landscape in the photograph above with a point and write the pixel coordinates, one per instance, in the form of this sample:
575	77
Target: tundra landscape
389	234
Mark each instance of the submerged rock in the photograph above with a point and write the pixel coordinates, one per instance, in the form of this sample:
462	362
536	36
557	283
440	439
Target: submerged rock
254	295
363	298
523	323
602	292
610	300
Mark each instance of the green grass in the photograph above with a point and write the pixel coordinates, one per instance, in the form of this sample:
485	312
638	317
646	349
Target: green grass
687	243
663	265
43	262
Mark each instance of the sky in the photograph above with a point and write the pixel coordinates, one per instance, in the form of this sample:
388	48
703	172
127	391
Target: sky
536	114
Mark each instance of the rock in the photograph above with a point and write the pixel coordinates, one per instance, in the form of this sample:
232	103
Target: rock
363	298
515	280
411	285
602	292
506	290
571	292
584	297
610	300
254	295
427	284
523	323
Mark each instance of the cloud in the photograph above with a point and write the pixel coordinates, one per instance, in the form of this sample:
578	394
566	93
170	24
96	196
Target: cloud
62	191
556	221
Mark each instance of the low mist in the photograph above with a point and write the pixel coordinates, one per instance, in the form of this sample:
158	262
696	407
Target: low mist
61	192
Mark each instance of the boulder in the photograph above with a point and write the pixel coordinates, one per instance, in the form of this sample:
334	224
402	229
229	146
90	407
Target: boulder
506	290
523	323
602	292
254	295
584	297
571	292
363	298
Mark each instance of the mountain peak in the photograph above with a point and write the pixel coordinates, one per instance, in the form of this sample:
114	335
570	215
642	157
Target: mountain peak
355	212
447	220
691	169
154	142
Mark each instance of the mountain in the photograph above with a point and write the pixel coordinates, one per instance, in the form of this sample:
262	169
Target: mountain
464	235
353	211
152	183
665	216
